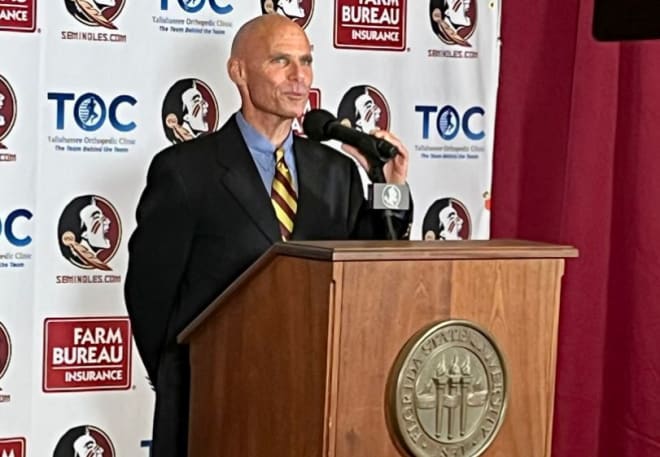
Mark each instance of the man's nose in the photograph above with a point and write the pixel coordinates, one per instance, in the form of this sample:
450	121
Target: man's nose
299	72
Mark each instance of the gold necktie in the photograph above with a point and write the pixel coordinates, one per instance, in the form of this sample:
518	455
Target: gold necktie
283	195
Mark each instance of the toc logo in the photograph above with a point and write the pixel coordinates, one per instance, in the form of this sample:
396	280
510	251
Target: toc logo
90	111
449	123
195	6
10	230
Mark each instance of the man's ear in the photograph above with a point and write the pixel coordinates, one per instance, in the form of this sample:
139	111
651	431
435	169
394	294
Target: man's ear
236	71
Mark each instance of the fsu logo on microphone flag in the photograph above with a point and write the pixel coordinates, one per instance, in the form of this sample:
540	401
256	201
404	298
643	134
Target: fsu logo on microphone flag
190	110
85	441
299	11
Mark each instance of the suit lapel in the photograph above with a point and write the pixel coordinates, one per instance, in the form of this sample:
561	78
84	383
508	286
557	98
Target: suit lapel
239	175
311	184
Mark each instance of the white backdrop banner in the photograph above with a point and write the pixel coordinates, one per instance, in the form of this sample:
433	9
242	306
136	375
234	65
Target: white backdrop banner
90	90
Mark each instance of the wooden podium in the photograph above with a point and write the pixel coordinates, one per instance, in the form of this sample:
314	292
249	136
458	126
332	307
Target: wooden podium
293	359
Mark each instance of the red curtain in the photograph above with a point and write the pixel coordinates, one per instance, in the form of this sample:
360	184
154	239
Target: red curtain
577	161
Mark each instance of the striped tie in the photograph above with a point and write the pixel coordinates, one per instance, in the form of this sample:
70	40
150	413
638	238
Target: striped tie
283	195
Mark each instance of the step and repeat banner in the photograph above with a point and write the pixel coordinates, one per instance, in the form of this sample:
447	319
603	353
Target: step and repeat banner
90	90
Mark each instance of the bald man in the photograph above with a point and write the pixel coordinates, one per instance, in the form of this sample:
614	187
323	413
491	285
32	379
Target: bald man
206	213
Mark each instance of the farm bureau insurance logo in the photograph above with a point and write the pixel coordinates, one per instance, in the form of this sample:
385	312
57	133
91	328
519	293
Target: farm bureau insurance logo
7	117
18	15
89	233
299	11
193	17
370	24
454	22
85	354
84	441
190	110
12	447
5	358
447	219
95	13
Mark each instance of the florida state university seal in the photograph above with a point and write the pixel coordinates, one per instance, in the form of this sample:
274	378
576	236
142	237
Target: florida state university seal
447	391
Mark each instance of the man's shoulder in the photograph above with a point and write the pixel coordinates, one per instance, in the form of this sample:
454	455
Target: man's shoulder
198	151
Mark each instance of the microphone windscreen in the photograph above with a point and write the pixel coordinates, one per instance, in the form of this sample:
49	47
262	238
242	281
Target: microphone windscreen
315	124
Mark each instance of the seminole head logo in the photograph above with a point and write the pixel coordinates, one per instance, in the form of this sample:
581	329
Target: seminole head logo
189	110
89	232
7	109
365	109
84	441
299	11
454	21
5	350
446	219
95	13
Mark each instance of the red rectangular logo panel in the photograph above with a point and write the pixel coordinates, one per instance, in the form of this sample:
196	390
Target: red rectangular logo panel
82	354
12	447
19	16
370	24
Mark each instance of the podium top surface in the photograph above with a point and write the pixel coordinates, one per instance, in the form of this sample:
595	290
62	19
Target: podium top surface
423	250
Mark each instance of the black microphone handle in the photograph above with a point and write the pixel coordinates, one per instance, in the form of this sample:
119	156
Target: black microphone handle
375	149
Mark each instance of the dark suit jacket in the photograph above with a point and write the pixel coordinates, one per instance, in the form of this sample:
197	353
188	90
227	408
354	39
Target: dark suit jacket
205	216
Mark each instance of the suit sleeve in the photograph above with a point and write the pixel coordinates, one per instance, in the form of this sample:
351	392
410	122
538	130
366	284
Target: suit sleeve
158	254
369	224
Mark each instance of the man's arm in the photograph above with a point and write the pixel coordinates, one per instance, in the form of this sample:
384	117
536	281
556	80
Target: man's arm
158	254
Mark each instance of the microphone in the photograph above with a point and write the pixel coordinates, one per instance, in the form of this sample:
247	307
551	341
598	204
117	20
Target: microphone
320	125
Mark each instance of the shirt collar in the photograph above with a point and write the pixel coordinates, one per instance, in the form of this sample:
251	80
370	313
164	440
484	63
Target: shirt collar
256	141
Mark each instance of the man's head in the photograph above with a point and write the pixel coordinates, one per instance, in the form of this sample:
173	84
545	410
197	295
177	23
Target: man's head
95	225
367	113
195	109
85	446
270	63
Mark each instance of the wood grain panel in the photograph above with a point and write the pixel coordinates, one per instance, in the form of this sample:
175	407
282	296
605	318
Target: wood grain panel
515	300
259	366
